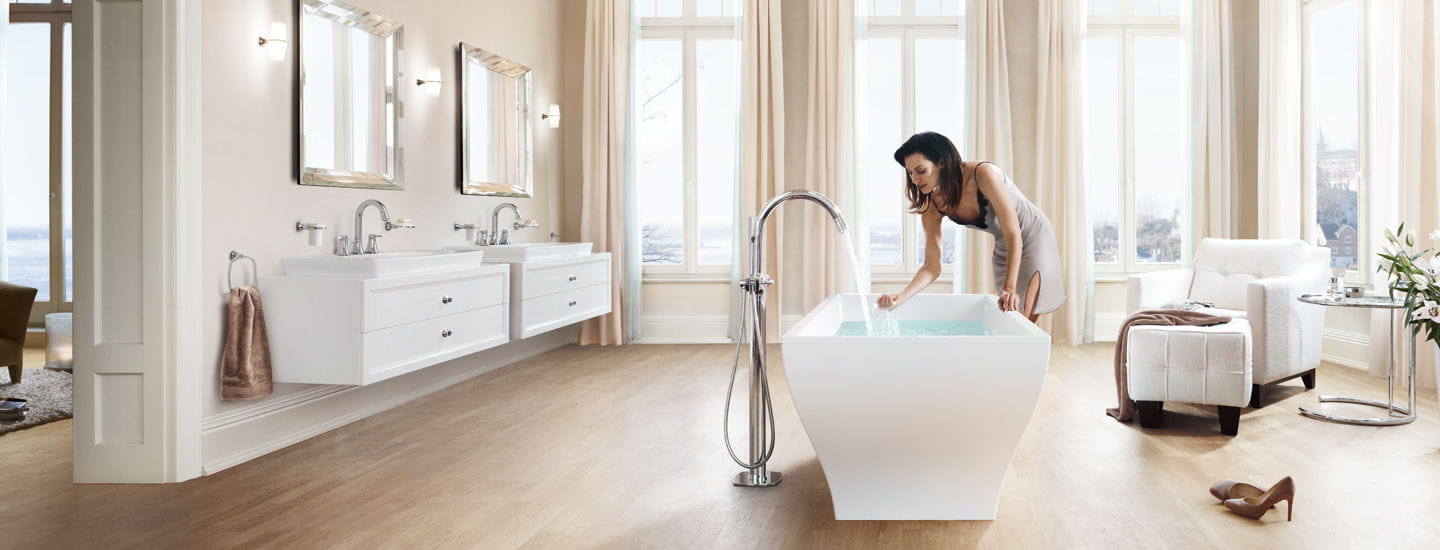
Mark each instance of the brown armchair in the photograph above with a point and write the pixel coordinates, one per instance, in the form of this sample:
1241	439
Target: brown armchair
15	304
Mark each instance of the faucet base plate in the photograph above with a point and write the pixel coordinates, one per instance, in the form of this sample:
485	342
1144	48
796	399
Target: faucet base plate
747	479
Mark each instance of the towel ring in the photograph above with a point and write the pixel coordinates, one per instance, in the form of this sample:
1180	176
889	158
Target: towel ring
235	257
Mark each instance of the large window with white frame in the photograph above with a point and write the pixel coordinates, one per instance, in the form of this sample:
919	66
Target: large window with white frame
913	80
1333	123
1137	160
687	63
35	177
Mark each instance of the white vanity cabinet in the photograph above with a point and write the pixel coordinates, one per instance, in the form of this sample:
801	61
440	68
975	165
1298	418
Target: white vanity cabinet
550	294
361	331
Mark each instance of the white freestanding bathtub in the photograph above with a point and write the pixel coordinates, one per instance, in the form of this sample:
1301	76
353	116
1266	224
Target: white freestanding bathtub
915	427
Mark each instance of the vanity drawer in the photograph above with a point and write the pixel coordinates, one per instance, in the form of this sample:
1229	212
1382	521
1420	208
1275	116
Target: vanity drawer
399	305
543	280
401	349
547	313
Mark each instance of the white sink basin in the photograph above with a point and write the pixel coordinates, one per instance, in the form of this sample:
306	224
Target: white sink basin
529	252
384	264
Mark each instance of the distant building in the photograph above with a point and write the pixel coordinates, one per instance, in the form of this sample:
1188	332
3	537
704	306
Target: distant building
1343	242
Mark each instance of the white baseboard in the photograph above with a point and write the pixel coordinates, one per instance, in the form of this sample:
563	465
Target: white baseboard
1107	326
238	436
1343	347
696	329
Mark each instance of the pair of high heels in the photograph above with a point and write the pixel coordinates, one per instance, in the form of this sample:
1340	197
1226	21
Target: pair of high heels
1251	501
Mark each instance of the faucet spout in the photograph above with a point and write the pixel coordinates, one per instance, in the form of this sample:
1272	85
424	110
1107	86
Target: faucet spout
757	223
355	247
494	237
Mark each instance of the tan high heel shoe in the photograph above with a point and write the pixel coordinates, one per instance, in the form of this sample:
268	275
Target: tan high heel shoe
1227	489
1256	506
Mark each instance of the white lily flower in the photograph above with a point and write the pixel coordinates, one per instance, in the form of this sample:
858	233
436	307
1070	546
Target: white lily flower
1429	311
1387	250
1435	236
1431	267
1419	279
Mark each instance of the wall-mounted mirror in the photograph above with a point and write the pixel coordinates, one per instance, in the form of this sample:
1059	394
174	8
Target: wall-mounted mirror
494	125
350	104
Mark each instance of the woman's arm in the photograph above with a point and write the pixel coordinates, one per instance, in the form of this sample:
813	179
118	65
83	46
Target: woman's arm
930	221
992	184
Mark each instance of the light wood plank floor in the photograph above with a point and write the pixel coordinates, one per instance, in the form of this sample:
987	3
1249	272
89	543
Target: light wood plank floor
620	447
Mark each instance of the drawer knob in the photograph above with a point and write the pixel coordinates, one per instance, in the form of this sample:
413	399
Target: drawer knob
445	333
572	302
446	299
572	278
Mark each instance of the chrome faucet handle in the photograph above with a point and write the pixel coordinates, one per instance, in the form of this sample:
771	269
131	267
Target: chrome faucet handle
504	236
484	239
373	244
342	245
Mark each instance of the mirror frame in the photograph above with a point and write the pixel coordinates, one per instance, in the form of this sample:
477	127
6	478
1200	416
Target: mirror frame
524	188
352	16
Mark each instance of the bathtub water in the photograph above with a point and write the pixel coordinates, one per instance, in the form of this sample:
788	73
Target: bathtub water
915	427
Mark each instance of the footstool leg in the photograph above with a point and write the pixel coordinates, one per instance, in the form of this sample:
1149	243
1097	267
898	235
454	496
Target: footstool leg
1309	379
1152	413
15	371
1229	420
1255	391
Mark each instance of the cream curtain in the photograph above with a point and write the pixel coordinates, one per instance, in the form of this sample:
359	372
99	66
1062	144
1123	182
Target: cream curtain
1058	164
607	209
762	138
1405	149
829	148
1278	159
1212	123
987	133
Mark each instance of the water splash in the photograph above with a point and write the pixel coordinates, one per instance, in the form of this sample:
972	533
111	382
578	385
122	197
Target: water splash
855	280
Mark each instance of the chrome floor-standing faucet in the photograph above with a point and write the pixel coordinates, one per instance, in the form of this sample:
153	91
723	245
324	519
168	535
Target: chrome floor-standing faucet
752	309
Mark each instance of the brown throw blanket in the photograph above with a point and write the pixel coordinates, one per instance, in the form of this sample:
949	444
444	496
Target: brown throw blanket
1171	317
245	366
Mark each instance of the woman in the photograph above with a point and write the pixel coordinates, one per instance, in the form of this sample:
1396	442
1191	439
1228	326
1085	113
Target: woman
978	195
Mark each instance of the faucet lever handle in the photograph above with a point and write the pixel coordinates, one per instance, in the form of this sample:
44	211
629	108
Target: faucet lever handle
372	245
484	237
504	236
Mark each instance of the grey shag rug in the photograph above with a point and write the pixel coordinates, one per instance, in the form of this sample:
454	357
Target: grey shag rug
48	391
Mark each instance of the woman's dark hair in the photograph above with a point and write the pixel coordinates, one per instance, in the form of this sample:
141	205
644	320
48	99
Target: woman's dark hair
939	150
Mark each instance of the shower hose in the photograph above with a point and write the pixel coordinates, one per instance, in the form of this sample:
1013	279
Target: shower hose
756	339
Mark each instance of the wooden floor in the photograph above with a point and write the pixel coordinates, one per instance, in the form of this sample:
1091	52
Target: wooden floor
621	448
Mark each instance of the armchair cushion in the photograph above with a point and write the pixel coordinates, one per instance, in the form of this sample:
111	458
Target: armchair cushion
1150	290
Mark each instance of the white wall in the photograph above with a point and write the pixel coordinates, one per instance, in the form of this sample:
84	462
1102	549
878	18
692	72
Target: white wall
251	200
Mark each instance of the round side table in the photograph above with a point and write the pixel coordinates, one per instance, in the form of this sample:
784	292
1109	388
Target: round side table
1406	414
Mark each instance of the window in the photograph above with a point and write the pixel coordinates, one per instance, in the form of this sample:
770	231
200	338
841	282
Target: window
35	217
1332	90
913	60
1136	122
687	64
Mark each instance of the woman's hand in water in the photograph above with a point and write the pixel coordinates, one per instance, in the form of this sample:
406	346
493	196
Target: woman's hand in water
889	301
1009	300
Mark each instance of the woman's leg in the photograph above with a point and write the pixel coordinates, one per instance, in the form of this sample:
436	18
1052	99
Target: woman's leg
1032	295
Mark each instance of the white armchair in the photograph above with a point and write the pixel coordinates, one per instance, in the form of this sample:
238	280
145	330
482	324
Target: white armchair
1257	280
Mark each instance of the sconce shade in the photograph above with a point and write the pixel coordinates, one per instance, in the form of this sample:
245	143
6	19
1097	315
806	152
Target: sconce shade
431	83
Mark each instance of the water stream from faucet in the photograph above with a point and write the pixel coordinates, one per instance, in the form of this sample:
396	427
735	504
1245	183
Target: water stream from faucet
856	282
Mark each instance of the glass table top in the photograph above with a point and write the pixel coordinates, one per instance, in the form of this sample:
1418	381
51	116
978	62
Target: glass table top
1368	301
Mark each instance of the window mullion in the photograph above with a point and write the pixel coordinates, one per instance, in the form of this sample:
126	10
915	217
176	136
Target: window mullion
57	136
688	70
1127	130
908	236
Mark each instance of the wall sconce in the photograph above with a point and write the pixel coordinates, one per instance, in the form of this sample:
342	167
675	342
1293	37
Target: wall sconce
552	115
431	82
275	41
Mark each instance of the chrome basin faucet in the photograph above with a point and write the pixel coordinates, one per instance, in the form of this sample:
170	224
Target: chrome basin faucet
495	235
373	247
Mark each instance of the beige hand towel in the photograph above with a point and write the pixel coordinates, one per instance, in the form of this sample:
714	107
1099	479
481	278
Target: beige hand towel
1172	317
245	366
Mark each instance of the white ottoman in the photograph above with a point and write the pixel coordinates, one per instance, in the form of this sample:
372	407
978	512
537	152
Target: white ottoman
1200	365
